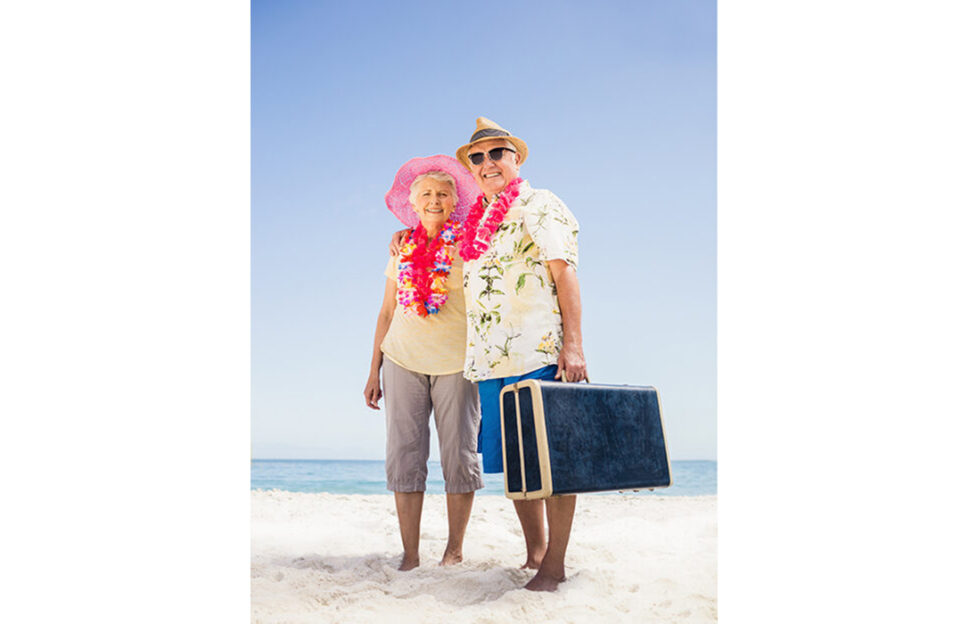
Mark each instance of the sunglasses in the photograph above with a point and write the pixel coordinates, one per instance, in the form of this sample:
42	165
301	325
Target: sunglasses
495	154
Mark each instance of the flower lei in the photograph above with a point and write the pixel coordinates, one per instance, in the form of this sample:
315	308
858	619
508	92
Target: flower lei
478	229
422	278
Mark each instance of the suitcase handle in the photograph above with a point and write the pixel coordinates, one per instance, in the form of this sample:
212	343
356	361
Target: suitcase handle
563	377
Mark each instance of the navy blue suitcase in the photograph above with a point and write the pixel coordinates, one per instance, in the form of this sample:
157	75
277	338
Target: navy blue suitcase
567	438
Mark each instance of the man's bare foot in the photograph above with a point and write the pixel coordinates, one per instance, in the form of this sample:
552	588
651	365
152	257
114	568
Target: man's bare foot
451	557
409	563
533	560
544	582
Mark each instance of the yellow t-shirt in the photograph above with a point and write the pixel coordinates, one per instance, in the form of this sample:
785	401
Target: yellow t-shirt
435	344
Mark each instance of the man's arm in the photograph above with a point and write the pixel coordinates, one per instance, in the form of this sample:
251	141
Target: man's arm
571	358
398	239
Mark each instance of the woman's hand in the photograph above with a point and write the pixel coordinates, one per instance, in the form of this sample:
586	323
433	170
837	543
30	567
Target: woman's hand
397	241
372	392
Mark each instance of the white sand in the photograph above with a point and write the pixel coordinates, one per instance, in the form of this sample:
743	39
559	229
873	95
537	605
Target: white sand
333	558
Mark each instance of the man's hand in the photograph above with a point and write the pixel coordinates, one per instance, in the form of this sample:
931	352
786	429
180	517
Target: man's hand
397	241
571	361
571	357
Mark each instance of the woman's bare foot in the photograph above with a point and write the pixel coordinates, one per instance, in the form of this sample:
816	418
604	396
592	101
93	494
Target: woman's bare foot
451	557
543	582
409	563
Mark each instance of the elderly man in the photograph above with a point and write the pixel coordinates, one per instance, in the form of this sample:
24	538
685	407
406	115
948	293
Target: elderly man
523	307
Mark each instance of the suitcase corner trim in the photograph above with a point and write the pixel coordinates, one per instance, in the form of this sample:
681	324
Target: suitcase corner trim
543	448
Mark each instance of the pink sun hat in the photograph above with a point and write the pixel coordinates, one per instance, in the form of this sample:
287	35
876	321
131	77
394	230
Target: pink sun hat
397	198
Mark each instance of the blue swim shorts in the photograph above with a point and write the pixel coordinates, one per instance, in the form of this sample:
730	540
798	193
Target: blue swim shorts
490	434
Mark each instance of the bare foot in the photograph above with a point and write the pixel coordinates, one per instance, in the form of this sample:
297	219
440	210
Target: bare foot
451	557
533	560
543	582
409	563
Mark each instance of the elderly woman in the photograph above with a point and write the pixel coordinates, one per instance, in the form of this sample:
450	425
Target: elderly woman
419	347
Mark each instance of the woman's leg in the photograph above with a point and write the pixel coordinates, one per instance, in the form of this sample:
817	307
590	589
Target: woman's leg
408	407
459	510
409	517
456	405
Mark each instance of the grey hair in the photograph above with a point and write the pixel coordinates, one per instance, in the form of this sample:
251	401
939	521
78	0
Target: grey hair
439	176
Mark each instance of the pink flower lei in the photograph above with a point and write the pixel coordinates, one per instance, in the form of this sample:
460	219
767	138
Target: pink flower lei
422	274
476	232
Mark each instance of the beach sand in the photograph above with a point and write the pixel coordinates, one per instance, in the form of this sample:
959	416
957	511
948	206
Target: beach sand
333	558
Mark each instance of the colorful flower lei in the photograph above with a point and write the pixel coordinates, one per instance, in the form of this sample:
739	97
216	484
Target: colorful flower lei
478	229
422	273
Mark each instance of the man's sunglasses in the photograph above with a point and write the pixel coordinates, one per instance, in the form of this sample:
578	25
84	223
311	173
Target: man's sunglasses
495	154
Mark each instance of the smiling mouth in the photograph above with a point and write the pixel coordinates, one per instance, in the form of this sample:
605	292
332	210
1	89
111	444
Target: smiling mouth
434	210
492	175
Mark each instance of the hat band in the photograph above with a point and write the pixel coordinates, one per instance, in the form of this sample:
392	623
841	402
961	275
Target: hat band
488	132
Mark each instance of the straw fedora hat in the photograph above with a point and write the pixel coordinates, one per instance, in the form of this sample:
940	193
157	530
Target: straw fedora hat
486	130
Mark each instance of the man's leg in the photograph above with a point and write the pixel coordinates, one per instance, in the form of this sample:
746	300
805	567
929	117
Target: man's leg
409	517
560	516
530	513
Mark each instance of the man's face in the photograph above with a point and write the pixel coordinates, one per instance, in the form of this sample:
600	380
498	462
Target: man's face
494	175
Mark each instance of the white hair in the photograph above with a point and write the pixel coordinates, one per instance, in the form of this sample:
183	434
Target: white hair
439	176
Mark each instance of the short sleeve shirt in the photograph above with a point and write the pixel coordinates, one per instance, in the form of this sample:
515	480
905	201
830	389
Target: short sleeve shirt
514	321
431	345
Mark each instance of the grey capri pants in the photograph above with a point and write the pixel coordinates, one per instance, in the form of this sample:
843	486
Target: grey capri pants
409	398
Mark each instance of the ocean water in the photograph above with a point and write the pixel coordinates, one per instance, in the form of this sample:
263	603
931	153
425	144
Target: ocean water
689	478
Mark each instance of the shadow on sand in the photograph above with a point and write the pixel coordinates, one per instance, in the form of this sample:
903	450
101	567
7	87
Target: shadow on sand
464	584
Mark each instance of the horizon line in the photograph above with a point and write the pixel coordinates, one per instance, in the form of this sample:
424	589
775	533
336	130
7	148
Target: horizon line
430	461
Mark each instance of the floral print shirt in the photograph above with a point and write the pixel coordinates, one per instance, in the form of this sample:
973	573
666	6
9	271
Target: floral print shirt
514	323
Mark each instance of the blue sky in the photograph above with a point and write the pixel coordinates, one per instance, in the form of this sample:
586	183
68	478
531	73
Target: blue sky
617	103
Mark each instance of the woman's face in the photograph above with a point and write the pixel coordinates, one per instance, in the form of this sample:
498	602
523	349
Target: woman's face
434	202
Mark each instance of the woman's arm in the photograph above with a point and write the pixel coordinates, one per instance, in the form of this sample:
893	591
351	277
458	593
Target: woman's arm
372	392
